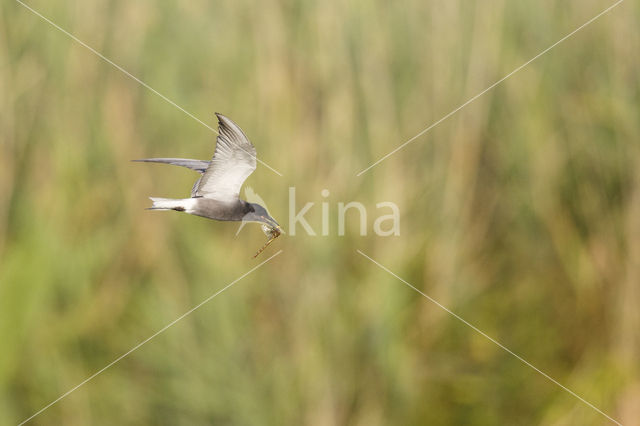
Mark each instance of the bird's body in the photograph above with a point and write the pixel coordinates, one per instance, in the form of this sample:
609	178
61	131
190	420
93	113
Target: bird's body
205	207
216	194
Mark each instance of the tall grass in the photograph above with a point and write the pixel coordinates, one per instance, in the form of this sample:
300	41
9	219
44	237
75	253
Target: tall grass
520	213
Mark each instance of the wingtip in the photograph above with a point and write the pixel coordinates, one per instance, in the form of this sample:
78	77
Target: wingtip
223	119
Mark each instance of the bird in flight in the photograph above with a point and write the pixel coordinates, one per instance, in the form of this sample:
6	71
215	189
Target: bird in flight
216	194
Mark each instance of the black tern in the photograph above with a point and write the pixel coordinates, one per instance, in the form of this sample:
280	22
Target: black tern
216	194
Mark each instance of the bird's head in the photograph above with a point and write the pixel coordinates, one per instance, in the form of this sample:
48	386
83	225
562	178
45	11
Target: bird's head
260	215
269	226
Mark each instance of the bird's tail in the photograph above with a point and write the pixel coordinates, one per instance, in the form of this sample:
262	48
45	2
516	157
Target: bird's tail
167	204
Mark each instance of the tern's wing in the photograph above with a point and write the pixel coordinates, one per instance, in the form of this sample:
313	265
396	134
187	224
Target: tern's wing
194	188
232	163
197	165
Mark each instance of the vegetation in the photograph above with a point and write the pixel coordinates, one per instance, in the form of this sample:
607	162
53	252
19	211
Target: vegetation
519	213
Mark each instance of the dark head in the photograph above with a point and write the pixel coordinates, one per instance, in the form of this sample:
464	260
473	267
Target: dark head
260	214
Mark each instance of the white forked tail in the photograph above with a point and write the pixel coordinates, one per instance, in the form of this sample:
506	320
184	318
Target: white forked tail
169	204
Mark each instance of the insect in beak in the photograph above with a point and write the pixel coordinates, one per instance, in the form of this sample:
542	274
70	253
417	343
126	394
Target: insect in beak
273	233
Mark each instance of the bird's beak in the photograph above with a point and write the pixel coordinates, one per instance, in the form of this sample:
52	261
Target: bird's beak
272	223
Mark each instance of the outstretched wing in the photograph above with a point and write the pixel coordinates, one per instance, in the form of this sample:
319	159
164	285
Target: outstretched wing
232	163
197	165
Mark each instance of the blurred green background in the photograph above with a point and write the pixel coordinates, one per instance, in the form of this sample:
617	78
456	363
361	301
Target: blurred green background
521	213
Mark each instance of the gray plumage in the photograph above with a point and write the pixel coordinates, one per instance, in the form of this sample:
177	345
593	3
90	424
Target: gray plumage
197	165
216	194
